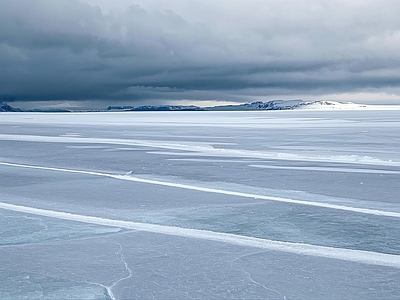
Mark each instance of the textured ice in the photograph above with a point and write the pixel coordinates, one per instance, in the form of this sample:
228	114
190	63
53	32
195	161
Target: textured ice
200	205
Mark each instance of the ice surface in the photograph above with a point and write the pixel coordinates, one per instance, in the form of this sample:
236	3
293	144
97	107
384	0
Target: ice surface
202	205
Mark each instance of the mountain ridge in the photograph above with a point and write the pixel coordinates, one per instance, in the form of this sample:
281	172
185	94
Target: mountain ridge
251	106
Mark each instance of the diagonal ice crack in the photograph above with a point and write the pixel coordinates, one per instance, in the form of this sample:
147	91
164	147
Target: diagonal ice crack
205	149
361	256
361	210
262	285
121	255
109	288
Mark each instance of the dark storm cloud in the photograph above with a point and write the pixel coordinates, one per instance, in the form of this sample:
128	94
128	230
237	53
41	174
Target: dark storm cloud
73	50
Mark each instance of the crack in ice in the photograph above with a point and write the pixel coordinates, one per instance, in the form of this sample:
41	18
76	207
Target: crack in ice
204	149
360	256
216	191
109	289
262	285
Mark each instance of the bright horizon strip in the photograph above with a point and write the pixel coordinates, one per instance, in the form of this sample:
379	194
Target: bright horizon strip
359	256
215	191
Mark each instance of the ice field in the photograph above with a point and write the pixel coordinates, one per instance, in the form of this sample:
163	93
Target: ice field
200	205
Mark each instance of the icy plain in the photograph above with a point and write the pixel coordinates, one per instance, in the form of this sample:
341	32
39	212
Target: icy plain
200	205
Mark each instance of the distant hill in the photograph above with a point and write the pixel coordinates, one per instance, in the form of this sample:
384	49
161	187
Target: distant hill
6	107
288	105
48	110
155	108
258	105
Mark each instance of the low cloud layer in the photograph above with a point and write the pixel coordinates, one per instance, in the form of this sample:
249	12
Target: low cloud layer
162	51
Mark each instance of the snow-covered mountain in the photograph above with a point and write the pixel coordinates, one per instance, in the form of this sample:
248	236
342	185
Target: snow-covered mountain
330	105
258	105
288	105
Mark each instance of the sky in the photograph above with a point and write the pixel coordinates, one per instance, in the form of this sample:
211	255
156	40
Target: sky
95	53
